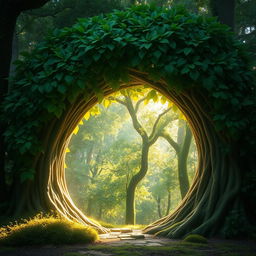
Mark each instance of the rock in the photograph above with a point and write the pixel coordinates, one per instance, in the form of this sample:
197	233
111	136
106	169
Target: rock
138	236
121	230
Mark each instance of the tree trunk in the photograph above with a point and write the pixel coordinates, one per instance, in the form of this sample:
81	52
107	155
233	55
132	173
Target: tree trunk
214	192
100	212
168	202
225	11
182	155
7	26
15	55
89	207
158	200
9	11
147	141
130	194
182	163
181	132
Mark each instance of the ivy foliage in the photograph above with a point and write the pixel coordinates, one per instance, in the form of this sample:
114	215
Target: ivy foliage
187	51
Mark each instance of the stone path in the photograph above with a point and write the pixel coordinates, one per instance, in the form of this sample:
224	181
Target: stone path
122	236
125	236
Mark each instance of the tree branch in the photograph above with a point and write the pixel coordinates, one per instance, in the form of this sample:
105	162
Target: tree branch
136	124
118	100
153	133
138	103
175	145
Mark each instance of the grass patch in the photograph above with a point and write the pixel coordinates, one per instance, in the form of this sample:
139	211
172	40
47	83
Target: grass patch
42	230
106	224
111	225
138	226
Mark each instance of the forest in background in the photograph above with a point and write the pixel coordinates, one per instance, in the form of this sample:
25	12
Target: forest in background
105	153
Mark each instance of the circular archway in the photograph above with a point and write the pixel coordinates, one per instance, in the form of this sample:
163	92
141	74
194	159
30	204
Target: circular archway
193	61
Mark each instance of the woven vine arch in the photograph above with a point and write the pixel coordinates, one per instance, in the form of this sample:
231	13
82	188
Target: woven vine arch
194	61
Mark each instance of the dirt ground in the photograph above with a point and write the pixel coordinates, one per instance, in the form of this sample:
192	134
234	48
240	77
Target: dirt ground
157	247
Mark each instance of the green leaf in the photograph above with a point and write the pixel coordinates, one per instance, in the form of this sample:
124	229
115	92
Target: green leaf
185	70
81	84
62	88
218	70
69	79
194	75
61	64
59	76
118	39
96	56
111	47
164	41
173	44
142	54
100	96
147	46
187	51
157	54
27	175
169	68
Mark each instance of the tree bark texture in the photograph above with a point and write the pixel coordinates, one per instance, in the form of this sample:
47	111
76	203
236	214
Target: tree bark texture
158	201
168	201
182	163
214	191
130	195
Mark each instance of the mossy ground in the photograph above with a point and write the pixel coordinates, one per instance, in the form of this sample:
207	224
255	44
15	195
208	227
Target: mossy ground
223	248
44	230
175	248
80	247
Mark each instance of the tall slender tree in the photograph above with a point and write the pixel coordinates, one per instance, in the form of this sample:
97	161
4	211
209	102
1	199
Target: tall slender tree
147	141
9	12
182	150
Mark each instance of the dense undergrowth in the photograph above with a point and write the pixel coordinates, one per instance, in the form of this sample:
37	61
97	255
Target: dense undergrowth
42	230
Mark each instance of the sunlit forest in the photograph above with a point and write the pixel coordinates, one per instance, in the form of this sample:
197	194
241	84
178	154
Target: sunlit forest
105	153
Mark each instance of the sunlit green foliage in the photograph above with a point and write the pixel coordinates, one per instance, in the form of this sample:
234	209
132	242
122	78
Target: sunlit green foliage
42	230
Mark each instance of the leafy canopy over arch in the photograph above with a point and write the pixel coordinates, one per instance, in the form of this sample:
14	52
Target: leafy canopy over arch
188	52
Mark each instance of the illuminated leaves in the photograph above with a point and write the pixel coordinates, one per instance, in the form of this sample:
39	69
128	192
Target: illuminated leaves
76	130
87	115
106	103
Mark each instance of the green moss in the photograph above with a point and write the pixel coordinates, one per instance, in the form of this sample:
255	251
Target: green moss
194	238
75	254
174	249
46	230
